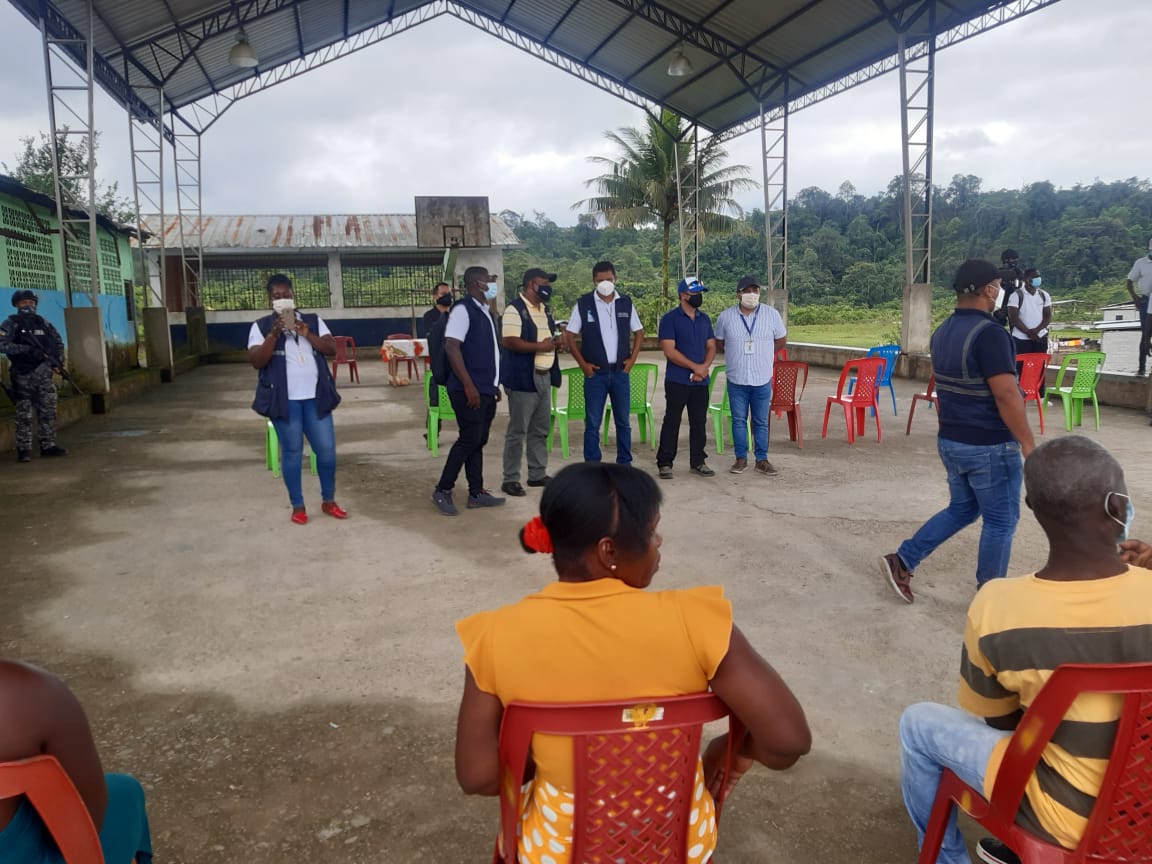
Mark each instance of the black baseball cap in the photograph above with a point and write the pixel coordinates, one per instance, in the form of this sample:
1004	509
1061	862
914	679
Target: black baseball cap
537	273
973	275
747	282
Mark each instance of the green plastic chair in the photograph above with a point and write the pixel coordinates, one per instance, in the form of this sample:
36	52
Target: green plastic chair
720	411
272	452
642	380
1089	366
443	411
572	409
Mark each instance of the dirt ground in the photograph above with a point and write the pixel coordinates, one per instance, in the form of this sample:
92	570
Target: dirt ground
288	694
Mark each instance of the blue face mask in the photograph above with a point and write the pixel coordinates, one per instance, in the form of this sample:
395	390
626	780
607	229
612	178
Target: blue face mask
1129	514
491	291
1036	282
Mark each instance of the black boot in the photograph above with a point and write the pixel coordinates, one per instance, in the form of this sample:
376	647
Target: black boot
23	455
54	450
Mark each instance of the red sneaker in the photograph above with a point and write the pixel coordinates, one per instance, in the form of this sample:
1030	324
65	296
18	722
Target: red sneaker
333	509
299	517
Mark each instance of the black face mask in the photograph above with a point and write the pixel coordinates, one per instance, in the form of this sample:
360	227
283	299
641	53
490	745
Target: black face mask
695	300
544	292
25	310
444	301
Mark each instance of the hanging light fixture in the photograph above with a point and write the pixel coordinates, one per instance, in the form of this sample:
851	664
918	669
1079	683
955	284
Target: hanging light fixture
242	54
680	65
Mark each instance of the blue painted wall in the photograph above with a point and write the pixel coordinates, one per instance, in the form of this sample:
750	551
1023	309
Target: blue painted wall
118	330
368	332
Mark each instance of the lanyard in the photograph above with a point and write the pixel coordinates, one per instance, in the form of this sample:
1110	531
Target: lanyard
752	326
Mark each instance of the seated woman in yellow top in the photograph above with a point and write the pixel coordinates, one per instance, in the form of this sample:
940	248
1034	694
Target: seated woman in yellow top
595	635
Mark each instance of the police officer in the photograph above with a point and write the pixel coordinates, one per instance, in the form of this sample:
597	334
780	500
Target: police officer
34	350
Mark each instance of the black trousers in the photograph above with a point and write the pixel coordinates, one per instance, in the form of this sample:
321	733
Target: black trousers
677	397
1031	346
468	451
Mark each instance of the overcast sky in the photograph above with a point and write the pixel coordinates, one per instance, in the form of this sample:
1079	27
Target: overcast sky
445	109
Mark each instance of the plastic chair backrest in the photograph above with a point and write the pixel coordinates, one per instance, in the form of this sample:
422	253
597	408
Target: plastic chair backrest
573	391
868	371
1089	365
634	764
717	371
642	385
890	353
1033	368
786	375
1120	827
345	349
58	804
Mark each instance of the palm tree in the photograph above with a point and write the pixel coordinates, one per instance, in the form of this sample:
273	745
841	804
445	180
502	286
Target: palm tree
639	186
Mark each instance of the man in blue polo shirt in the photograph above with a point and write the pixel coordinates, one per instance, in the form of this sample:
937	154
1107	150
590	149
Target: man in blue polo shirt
983	433
687	340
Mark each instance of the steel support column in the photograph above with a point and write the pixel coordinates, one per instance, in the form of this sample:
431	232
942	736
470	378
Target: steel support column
917	62
146	139
774	150
71	92
688	203
188	209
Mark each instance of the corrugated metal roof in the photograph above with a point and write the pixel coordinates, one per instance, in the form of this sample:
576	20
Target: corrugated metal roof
325	231
811	44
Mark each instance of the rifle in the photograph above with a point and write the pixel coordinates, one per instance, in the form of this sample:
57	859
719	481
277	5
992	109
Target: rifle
56	365
9	392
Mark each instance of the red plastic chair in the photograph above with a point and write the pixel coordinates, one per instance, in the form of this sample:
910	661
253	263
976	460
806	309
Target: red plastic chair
782	354
862	397
1120	827
346	354
1033	368
928	396
413	363
785	400
623	752
43	782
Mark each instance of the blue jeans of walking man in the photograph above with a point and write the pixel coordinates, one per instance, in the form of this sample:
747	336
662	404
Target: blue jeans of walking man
607	384
741	399
983	481
934	737
302	420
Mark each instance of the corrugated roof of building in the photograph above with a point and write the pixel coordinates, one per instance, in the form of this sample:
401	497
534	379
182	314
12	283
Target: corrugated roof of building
319	231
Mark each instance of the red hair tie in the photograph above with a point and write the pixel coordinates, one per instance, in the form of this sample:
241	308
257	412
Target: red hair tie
536	536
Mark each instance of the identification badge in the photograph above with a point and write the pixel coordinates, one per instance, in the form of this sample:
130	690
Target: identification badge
749	346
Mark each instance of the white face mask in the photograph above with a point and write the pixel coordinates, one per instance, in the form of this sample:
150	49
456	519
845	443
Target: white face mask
750	301
606	288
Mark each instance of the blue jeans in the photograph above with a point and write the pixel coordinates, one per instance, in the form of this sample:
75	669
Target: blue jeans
598	389
741	397
302	420
934	737
984	481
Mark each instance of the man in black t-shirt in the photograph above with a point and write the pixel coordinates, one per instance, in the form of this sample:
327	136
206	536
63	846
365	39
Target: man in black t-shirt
441	305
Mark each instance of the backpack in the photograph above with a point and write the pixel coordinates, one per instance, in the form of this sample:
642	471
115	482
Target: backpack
437	353
1009	282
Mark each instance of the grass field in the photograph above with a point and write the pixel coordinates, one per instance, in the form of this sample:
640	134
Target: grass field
857	335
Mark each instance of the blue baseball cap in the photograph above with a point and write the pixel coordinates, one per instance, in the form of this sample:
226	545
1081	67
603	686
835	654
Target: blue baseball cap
692	285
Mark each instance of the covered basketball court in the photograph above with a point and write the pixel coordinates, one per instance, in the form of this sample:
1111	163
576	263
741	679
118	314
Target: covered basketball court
729	67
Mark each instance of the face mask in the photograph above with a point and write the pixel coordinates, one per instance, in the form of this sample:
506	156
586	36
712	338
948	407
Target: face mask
26	310
694	300
491	291
606	288
1128	516
444	300
1036	280
749	301
544	292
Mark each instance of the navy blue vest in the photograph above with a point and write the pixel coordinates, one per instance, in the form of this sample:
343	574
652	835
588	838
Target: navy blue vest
478	350
517	369
591	337
968	412
272	386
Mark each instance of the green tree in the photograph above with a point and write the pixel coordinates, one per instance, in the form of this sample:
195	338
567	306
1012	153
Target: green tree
34	169
638	186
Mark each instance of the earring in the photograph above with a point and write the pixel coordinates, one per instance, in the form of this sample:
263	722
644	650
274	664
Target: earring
612	567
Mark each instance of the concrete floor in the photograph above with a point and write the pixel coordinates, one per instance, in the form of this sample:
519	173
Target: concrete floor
288	693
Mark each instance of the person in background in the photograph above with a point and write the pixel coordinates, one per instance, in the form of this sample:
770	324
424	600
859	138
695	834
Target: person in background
603	319
1011	278
35	350
688	342
473	353
441	305
1086	604
529	369
39	716
1139	287
614	640
1030	311
750	333
296	392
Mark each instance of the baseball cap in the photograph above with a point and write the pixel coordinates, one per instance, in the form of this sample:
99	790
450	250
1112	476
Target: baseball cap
747	282
691	284
973	275
537	273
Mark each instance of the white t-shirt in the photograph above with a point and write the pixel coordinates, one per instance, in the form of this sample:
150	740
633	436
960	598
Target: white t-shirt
303	375
457	328
1141	275
609	328
1031	308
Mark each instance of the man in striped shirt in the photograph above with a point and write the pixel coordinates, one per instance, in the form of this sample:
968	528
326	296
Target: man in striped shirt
1087	604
